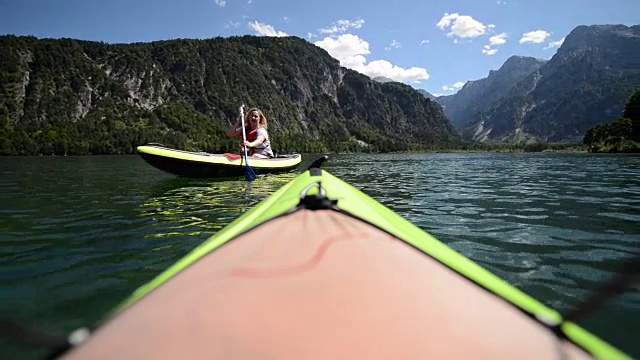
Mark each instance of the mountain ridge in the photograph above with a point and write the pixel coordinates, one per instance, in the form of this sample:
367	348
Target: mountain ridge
585	83
478	95
75	96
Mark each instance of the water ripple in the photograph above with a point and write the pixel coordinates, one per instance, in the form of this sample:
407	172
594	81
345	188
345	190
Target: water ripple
80	233
552	232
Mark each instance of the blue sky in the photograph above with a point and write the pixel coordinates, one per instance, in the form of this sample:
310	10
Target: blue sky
435	45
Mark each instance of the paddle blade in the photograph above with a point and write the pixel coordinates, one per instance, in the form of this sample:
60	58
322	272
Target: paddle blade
249	174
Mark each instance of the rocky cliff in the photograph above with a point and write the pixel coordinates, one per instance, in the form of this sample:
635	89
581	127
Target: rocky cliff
587	82
478	95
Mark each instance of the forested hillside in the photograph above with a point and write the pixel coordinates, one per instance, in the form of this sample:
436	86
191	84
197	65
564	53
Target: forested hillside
620	135
78	97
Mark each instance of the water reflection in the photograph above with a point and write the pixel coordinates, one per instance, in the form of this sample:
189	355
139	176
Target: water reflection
183	207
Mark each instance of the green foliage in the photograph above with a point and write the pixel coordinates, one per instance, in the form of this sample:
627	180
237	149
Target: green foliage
632	108
612	137
530	145
81	97
621	135
632	111
534	146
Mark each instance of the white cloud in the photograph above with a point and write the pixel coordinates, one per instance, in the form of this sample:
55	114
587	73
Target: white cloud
346	48
488	50
535	37
446	20
501	2
462	26
553	44
265	30
423	42
394	45
310	35
351	51
495	40
341	26
385	68
220	2
454	87
498	39
285	19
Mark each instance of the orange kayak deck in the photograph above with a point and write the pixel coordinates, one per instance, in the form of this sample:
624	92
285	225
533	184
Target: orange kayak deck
321	285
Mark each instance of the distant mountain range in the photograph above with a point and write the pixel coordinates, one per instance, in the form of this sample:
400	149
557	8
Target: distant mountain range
79	97
587	82
478	95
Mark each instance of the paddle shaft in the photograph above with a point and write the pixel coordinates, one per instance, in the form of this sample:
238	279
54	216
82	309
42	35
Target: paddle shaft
244	136
249	174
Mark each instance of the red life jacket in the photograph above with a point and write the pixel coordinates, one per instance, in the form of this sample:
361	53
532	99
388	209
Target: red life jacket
251	136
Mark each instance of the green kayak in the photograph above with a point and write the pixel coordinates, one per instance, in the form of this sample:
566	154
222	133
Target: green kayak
320	270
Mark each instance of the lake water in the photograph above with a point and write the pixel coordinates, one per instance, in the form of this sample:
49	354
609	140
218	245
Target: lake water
78	234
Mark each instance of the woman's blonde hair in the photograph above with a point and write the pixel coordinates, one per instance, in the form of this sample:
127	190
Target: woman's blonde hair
263	119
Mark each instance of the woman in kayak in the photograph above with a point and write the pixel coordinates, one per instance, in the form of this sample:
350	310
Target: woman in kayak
257	142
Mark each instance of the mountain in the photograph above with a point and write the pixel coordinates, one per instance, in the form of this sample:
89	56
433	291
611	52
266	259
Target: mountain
478	95
587	82
427	94
79	97
383	79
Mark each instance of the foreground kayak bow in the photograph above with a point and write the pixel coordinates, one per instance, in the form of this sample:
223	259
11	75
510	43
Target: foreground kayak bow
320	270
